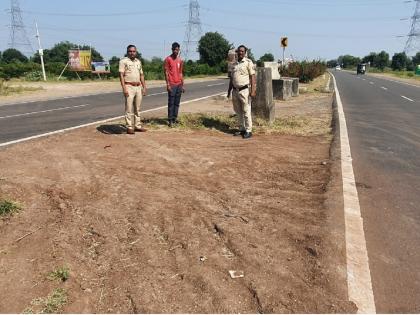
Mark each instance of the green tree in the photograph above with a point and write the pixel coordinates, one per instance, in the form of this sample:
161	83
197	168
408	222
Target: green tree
399	61
213	48
251	55
416	59
332	63
267	57
13	55
370	59
348	61
60	52
382	60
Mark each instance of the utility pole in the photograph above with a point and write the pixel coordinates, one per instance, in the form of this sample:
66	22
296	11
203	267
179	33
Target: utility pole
40	52
18	36
413	42
194	30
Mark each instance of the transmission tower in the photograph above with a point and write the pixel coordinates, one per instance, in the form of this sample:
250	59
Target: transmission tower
193	31
413	43
18	36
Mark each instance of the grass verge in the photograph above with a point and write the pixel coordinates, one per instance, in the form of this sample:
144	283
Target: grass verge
5	89
291	125
48	305
61	273
8	207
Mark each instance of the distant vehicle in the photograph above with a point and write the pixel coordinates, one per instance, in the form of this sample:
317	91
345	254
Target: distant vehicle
361	68
337	68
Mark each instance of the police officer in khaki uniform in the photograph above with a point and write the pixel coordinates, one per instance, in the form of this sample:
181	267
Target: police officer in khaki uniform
243	83
134	88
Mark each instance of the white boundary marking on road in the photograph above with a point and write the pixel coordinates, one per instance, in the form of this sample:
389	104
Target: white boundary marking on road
359	281
157	94
408	99
44	111
396	81
216	84
99	93
98	122
371	82
384	88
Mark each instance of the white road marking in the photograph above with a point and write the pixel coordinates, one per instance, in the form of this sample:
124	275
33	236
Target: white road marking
44	111
157	94
384	88
93	94
371	82
99	122
396	81
408	99
364	79
359	282
215	84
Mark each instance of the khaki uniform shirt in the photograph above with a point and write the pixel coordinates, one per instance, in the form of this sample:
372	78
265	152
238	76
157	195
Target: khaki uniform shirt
132	69
241	72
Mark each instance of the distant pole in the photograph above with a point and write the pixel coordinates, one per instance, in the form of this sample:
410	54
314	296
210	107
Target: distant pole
284	50
41	52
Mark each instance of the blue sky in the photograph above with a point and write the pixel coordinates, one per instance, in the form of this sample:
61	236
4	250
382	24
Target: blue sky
316	28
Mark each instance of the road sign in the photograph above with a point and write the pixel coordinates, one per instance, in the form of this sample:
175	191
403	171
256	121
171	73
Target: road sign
284	42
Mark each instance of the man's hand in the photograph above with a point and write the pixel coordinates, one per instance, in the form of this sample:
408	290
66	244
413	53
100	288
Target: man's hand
125	91
253	92
144	91
168	88
183	89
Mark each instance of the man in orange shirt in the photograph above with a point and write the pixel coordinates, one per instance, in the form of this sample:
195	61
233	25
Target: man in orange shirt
173	68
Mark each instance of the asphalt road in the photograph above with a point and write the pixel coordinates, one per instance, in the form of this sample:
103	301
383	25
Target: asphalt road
383	120
24	120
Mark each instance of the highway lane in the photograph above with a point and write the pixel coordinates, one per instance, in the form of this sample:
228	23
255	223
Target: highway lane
24	120
383	120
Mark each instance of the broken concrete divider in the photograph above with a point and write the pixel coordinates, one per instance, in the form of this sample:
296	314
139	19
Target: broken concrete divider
282	89
295	86
263	104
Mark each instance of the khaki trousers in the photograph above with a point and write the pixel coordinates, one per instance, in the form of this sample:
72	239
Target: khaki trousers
132	106
242	108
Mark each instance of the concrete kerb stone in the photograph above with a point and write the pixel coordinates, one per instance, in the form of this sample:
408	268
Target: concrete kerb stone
282	89
295	86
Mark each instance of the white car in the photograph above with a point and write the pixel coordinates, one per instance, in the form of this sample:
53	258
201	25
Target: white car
337	68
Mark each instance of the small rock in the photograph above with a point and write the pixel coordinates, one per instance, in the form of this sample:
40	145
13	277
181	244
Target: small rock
324	163
236	274
203	258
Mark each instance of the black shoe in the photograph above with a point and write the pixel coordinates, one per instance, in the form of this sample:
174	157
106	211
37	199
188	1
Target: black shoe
171	124
247	135
239	133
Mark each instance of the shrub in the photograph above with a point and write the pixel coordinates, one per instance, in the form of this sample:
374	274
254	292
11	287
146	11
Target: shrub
306	71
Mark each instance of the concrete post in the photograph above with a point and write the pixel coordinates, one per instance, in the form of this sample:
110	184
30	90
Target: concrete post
295	86
263	103
282	89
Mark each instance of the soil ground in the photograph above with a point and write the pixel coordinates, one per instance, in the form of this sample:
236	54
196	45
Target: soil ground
153	223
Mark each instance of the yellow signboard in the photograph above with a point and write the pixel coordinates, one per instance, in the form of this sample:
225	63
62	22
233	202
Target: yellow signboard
284	41
80	60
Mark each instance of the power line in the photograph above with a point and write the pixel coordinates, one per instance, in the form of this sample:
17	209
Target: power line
104	14
193	31
18	36
413	42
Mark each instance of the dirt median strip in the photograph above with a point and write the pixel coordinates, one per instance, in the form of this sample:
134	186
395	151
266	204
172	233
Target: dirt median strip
160	221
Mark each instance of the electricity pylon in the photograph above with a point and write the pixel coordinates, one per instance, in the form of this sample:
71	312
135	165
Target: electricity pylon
193	31
413	42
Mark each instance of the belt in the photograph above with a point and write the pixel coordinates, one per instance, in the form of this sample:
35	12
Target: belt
241	88
133	83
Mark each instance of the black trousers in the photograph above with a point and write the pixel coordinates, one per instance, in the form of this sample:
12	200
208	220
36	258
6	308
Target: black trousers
174	99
